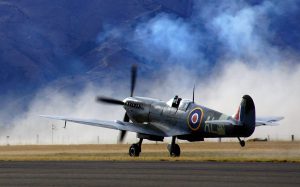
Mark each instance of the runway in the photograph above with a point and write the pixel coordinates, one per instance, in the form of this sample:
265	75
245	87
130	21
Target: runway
132	173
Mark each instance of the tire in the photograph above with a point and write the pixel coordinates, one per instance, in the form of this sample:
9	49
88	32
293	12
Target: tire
134	150
243	143
175	152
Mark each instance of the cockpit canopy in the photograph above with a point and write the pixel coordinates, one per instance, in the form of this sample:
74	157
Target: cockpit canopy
183	103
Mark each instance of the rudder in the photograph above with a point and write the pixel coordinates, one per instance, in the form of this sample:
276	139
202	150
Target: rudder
246	115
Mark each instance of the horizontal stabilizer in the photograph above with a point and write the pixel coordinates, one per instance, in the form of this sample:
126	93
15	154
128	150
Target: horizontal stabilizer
268	121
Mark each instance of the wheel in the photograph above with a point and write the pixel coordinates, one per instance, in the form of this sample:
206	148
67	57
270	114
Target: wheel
242	143
175	152
134	150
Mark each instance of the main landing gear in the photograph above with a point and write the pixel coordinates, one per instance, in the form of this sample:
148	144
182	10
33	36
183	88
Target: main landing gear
242	142
174	148
136	148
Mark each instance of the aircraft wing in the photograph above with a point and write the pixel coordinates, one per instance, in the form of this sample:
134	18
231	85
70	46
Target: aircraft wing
118	125
270	121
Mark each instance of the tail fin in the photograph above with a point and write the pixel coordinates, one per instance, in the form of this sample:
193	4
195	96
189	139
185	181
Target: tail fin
246	115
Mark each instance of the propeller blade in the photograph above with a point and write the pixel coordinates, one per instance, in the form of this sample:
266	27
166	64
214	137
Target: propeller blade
122	136
123	132
110	100
133	79
194	94
126	118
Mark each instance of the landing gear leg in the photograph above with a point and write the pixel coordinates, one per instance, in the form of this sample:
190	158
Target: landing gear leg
135	149
174	148
242	142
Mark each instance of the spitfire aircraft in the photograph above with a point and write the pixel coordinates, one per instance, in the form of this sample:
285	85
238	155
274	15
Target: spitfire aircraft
153	119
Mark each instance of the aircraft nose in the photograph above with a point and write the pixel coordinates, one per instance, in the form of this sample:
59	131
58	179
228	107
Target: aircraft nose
126	102
131	102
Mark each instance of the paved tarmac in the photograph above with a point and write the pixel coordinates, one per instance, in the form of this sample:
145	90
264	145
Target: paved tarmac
112	173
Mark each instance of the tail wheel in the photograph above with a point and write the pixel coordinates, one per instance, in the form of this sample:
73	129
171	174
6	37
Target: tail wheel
134	150
242	142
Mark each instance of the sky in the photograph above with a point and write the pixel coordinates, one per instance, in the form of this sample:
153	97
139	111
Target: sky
227	48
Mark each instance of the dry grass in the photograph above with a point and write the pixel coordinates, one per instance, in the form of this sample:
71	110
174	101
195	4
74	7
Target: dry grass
203	151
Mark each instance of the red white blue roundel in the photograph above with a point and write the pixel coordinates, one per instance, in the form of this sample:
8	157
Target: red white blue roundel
195	118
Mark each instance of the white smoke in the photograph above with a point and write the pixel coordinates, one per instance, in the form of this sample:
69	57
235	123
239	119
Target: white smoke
166	38
275	93
274	90
249	62
31	129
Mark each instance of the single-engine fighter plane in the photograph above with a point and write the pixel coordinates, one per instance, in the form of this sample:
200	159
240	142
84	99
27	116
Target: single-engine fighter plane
153	119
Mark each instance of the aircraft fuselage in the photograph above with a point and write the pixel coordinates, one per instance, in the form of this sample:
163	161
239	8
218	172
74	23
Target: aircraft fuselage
187	117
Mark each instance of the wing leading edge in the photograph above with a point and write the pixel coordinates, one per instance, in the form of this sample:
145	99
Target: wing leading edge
119	125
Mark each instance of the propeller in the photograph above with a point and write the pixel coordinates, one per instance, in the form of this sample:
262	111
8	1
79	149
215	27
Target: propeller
119	102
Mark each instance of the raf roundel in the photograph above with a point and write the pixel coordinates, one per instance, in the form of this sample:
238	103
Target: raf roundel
195	118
